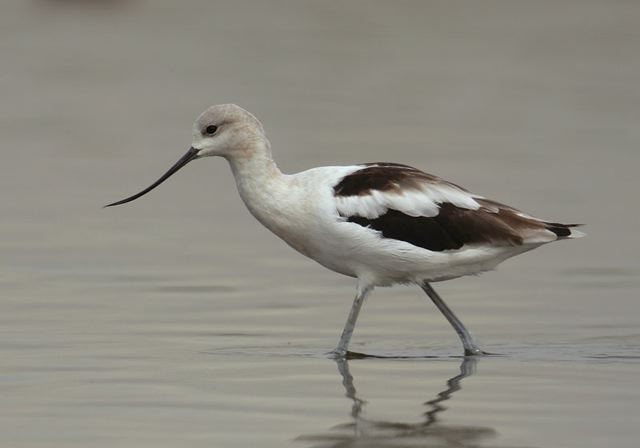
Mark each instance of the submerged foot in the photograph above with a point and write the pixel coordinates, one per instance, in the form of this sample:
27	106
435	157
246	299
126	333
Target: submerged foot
338	354
477	351
341	354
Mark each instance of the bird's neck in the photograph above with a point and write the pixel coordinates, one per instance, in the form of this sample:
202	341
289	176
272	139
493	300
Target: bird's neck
254	164
262	186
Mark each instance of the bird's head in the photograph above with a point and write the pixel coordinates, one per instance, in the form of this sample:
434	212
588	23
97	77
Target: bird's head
228	131
224	130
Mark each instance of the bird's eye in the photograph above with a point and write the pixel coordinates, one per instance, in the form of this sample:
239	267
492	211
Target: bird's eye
211	129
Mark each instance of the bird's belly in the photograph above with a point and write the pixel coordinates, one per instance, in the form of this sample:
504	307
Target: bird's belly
355	251
347	253
323	250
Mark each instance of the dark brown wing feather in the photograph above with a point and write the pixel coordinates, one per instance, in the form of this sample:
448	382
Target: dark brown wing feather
385	176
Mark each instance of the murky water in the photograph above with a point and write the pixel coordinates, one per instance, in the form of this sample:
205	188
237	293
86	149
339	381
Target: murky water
179	321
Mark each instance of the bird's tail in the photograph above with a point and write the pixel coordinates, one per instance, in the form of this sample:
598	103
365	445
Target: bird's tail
564	231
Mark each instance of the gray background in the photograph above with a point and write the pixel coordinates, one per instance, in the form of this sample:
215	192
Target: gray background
178	321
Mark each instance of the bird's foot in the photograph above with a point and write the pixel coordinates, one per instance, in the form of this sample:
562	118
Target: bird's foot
338	353
341	354
476	351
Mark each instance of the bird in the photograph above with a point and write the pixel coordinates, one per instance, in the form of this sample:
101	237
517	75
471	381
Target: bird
381	223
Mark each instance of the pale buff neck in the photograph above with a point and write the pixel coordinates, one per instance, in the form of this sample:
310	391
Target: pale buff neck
262	186
254	162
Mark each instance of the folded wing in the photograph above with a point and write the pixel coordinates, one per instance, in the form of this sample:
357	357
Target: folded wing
404	203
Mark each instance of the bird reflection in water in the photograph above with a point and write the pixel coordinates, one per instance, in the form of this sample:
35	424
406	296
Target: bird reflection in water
363	432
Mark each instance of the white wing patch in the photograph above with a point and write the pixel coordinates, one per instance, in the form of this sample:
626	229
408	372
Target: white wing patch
412	202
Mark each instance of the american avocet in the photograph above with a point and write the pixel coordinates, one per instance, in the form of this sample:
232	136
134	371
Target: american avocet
382	223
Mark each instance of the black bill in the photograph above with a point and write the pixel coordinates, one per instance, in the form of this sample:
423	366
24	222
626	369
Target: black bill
188	157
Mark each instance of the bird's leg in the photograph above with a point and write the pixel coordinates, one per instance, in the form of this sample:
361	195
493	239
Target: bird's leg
342	348
470	347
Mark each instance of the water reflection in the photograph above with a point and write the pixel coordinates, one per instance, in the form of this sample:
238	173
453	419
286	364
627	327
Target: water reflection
429	432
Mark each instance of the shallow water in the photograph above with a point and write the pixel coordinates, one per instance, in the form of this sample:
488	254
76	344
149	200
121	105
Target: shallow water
178	321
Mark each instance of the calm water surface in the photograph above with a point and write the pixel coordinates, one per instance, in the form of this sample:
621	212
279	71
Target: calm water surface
178	321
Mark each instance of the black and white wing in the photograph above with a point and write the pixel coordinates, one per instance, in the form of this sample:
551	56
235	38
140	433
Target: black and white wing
404	203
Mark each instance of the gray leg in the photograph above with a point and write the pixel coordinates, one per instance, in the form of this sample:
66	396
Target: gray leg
343	345
470	347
